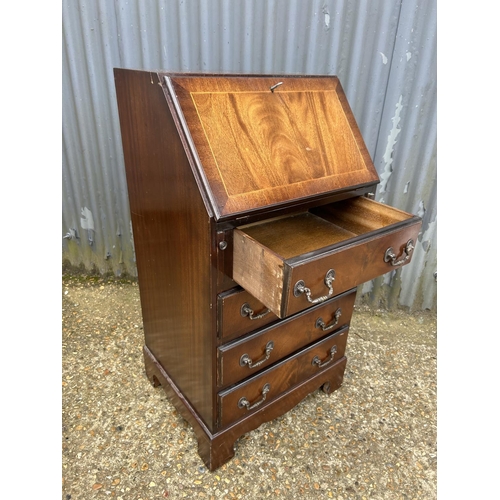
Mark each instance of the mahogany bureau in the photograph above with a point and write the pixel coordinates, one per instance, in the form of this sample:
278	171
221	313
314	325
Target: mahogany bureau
252	229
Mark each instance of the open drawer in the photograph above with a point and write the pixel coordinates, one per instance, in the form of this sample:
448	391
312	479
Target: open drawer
293	262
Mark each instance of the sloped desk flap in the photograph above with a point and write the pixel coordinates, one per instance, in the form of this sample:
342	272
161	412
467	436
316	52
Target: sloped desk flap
265	141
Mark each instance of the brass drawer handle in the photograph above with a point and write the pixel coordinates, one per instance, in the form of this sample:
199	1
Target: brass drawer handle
300	287
244	403
245	359
320	364
321	324
246	310
391	257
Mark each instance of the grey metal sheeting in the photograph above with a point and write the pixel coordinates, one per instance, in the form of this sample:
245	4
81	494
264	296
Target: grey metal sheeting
384	53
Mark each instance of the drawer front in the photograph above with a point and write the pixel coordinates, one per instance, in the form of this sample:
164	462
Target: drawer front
240	313
245	357
236	402
351	265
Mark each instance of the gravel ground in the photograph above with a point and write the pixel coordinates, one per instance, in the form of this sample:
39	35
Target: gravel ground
374	438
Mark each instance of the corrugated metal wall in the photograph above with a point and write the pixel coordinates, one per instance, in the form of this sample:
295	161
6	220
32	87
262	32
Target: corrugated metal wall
384	53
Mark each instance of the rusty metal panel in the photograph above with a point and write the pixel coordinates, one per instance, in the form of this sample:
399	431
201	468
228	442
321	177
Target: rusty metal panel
383	53
405	155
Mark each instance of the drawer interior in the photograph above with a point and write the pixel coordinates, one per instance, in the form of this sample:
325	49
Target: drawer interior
349	242
321	227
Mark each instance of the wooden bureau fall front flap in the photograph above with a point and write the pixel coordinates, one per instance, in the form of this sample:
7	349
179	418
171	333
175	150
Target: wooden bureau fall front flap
252	230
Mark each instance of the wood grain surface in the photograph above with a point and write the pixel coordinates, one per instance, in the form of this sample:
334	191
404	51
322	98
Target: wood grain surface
231	180
280	377
231	323
172	240
353	265
216	448
287	336
260	148
271	256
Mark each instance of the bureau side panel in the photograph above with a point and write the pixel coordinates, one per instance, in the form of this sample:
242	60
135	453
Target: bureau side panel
172	238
